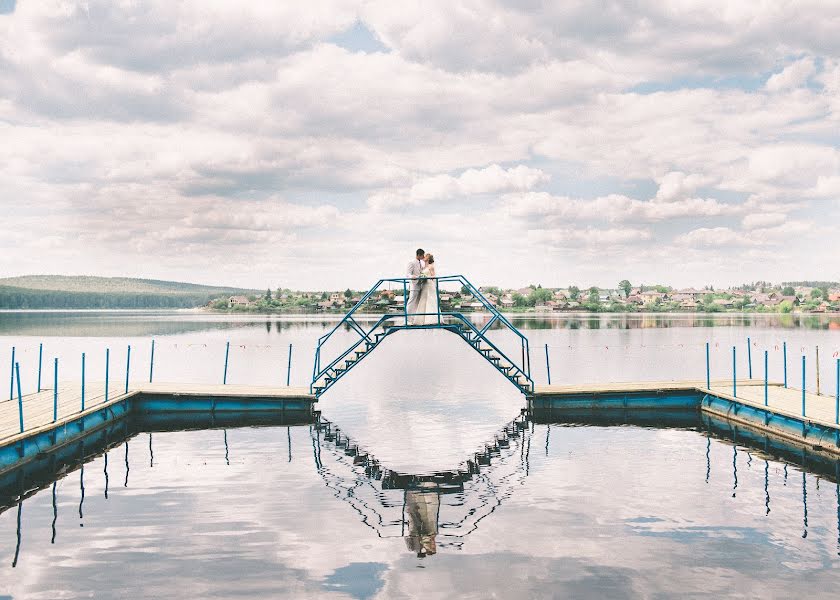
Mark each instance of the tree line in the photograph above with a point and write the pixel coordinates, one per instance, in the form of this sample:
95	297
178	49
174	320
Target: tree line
20	298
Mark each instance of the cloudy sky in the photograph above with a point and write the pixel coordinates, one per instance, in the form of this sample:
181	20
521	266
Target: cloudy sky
316	144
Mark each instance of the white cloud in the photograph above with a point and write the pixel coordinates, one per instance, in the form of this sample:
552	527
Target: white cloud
222	136
792	76
490	180
677	186
716	237
611	208
759	220
591	237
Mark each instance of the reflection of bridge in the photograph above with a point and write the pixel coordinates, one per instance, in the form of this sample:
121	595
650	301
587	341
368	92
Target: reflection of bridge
430	510
516	370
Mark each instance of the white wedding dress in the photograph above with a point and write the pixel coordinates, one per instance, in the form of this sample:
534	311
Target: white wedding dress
428	301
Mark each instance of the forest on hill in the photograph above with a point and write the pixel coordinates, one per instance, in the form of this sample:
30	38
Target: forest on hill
82	292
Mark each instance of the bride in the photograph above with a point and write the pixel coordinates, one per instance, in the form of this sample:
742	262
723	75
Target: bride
428	301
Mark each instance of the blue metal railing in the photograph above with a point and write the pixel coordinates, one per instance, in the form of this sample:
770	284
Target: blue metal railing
450	320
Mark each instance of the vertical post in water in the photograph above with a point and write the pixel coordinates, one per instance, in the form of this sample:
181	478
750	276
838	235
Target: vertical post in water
55	390
734	376
766	354
12	377
289	367
107	370
20	397
817	362
83	381
837	395
40	361
803	385
708	369
127	367
784	360
547	366
749	358
227	353
152	363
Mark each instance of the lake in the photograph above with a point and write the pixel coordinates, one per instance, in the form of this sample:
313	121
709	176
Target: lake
666	506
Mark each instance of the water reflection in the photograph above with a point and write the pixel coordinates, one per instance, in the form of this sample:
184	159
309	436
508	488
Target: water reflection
410	505
435	512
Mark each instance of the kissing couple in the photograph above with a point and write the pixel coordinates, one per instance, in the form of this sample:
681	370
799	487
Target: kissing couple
422	307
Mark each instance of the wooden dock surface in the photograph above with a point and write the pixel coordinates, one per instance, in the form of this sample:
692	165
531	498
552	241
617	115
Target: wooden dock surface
638	386
785	401
38	407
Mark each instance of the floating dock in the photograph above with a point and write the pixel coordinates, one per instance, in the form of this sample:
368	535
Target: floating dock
771	408
46	421
38	424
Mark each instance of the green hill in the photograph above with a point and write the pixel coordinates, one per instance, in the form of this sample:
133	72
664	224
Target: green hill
60	291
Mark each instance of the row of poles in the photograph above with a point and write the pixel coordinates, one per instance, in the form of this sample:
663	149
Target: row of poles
785	375
15	376
750	374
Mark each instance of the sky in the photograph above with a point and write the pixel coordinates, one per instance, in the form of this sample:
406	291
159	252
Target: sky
315	145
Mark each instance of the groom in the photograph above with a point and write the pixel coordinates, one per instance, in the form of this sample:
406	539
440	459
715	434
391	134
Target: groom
413	273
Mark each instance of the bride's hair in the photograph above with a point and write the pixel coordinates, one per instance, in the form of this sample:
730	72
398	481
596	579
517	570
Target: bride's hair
431	259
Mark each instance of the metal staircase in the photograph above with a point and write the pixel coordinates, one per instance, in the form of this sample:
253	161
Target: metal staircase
518	373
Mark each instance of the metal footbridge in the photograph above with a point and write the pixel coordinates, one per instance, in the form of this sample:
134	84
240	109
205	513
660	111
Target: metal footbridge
328	371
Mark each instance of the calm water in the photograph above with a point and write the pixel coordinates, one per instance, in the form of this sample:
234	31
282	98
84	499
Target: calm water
564	509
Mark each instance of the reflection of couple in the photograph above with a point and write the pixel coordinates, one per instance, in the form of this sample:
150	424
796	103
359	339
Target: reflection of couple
423	297
422	507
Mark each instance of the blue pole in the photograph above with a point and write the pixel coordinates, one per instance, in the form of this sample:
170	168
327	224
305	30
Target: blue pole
152	363
20	397
547	366
803	385
837	395
289	368
83	381
107	369
734	378
127	366
55	390
784	360
227	353
749	359
12	379
708	369
40	359
765	378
